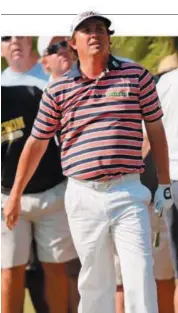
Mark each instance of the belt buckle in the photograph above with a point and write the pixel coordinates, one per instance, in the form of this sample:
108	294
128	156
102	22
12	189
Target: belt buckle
102	186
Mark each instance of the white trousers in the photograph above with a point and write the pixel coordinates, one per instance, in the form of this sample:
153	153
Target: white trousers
108	216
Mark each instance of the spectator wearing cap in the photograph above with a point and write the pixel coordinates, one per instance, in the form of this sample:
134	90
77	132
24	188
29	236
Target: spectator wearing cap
57	59
55	55
99	106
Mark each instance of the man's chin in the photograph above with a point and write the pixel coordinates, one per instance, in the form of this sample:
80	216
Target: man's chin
96	51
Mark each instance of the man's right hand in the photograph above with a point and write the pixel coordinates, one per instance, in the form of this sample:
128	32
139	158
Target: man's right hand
12	211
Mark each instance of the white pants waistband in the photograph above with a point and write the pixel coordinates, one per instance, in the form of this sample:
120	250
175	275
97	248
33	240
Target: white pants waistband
103	185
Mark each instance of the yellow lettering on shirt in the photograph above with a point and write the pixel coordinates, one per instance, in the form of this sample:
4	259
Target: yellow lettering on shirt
12	125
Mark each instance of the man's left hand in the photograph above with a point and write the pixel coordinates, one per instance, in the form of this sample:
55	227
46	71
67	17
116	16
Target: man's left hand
162	199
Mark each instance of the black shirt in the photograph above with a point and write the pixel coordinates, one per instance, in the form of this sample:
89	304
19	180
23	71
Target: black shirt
19	107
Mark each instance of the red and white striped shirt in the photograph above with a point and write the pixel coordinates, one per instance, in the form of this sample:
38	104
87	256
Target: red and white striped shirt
100	120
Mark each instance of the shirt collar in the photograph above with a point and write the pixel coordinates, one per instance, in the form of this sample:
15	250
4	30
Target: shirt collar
113	64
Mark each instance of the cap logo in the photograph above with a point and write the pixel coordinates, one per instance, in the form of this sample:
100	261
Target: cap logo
82	17
86	14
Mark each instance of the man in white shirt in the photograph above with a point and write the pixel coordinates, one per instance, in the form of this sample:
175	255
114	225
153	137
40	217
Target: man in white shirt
163	269
168	93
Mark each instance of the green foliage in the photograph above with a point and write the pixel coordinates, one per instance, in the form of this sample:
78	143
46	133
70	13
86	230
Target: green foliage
147	51
3	64
134	48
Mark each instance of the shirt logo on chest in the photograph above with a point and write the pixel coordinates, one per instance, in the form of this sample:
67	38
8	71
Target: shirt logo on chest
118	94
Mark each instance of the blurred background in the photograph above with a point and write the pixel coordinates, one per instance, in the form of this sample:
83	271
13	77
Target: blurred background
147	51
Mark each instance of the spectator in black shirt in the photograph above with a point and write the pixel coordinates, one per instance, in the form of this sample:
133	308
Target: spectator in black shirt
42	201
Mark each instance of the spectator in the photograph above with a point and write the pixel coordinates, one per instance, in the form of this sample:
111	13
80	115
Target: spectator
17	58
34	278
99	106
58	59
168	93
42	200
35	76
55	55
163	269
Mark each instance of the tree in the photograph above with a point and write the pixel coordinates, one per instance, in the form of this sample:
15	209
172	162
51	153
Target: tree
147	51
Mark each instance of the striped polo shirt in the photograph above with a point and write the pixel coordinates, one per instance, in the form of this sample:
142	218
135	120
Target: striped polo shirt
100	120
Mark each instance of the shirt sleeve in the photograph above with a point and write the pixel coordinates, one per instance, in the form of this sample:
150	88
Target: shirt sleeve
149	101
47	121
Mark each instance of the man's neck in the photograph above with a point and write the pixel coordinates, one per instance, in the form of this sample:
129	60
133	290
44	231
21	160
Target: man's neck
93	67
24	65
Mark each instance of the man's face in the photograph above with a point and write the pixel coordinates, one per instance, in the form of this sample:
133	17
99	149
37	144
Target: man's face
15	49
91	38
61	60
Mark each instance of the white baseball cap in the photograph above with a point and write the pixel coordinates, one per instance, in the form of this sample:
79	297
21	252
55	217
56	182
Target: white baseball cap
87	15
43	44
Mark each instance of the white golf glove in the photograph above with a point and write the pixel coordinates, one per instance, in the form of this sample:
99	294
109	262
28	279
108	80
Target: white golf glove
162	199
162	202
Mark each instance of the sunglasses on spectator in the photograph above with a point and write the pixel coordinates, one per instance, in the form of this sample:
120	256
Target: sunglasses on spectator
55	48
8	38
